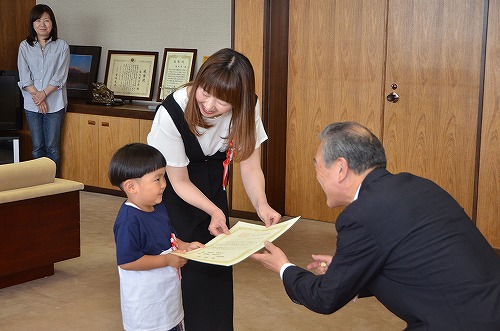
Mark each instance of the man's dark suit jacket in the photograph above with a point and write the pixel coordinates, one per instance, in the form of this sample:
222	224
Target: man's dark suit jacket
407	242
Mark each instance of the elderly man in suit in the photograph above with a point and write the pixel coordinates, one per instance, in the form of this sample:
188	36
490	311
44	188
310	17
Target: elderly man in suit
400	238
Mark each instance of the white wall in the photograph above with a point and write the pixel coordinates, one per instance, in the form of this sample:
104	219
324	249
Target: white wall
151	25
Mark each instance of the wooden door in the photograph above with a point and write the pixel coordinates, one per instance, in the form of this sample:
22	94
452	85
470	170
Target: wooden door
335	73
14	18
79	152
434	56
488	208
344	58
114	132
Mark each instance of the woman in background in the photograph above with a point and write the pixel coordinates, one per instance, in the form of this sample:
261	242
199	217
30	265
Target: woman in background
198	128
43	64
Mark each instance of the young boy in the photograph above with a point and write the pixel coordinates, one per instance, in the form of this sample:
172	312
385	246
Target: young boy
150	285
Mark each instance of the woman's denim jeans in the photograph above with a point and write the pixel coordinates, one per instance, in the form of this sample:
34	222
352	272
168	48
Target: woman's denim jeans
46	135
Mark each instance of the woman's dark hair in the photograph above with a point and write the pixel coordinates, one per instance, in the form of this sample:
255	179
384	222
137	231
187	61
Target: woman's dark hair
352	141
228	76
35	13
134	161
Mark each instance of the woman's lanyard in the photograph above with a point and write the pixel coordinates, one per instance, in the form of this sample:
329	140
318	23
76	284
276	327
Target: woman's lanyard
225	164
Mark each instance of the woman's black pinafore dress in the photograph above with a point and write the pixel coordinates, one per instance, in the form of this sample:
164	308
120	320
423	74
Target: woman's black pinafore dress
207	290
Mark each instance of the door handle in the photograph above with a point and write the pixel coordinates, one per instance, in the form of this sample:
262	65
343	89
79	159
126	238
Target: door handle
393	97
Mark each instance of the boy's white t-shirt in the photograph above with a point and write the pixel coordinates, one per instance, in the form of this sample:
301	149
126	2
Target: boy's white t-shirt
151	300
144	296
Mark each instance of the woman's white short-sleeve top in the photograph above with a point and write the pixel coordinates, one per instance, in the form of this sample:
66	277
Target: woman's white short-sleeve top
167	139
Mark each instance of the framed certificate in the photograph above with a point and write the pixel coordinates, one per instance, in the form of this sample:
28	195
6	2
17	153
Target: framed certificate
177	69
131	74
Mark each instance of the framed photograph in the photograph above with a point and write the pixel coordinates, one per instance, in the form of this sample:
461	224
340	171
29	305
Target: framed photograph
83	68
177	69
131	74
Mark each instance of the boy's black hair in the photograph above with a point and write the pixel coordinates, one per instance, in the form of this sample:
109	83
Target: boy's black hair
134	161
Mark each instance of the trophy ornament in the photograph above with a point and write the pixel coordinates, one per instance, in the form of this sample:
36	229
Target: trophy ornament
102	95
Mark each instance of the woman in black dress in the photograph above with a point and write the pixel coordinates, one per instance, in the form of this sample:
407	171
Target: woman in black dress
199	129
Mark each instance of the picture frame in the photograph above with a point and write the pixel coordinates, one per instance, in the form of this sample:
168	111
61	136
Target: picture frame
131	74
177	69
83	69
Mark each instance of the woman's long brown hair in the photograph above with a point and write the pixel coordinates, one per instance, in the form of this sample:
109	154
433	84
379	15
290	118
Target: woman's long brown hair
228	76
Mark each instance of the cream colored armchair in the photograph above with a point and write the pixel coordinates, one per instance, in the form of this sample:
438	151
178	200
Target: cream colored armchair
39	220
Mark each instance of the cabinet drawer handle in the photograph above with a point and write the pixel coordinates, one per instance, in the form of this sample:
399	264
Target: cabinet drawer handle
91	122
105	124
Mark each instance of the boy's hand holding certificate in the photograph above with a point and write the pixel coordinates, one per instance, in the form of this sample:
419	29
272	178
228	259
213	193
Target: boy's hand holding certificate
244	240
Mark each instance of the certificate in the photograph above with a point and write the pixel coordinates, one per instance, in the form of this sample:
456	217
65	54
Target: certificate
177	70
244	240
130	74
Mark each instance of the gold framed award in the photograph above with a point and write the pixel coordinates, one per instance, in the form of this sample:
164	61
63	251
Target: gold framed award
177	69
131	74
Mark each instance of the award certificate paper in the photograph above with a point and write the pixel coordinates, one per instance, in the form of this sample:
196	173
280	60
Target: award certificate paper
244	240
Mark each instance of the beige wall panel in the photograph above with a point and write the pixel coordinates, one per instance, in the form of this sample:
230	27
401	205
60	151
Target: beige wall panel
434	56
248	39
336	66
144	26
488	208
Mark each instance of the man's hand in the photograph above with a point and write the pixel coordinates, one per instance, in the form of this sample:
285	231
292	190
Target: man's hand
272	258
320	264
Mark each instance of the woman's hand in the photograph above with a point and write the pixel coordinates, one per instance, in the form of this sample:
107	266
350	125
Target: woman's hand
268	215
320	264
254	183
187	191
218	223
38	97
42	107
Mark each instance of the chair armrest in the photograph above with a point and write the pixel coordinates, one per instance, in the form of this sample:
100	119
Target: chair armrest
58	186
